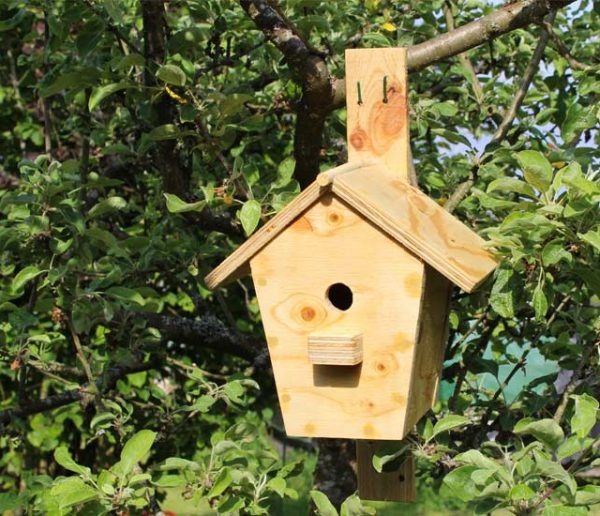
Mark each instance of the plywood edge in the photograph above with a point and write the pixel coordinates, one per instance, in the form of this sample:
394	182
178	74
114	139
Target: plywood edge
235	265
399	230
430	345
343	350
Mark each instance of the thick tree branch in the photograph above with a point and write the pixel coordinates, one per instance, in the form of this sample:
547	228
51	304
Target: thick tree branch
317	85
175	178
209	332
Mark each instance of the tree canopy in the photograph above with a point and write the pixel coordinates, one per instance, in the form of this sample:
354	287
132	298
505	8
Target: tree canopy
141	141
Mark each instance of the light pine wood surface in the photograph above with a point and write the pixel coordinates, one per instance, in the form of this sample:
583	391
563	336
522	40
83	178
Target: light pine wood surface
330	243
393	486
419	223
377	124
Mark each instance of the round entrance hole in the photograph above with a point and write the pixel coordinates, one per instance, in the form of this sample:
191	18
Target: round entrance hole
340	296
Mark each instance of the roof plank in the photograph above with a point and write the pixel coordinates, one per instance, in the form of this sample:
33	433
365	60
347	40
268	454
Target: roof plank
419	223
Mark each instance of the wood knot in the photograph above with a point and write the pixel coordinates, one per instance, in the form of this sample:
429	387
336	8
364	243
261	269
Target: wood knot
358	139
308	313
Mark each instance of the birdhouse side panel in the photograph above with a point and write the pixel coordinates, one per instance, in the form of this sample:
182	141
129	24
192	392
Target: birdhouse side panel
333	277
431	346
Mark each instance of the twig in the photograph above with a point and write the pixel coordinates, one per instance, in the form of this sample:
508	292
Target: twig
528	76
46	100
464	58
103	384
121	38
80	354
572	385
464	188
563	50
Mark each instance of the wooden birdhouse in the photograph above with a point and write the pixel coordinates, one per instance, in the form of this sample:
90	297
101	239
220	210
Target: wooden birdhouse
352	277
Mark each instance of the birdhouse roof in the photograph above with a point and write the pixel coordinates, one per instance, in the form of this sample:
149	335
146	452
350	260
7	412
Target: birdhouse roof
398	209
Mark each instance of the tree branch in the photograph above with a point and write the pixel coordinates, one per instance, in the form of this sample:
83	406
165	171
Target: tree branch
321	93
209	332
464	188
309	66
464	58
103	384
563	50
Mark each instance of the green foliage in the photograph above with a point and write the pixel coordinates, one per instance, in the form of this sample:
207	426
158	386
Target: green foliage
127	173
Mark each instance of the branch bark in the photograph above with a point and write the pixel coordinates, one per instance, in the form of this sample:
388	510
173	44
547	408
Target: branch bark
209	332
175	178
317	86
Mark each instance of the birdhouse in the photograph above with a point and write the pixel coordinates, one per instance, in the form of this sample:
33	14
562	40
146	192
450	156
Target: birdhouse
352	277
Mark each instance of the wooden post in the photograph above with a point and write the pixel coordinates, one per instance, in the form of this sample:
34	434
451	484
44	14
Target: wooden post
378	127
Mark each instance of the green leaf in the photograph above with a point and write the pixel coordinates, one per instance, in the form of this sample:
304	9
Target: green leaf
179	463
458	482
555	471
164	132
585	415
64	458
126	294
250	216
578	119
511	184
476	458
592	238
177	205
322	503
503	293
100	93
222	482
539	302
563	510
536	169
547	431
134	451
109	205
171	74
353	506
588	495
448	423
72	491
203	403
23	276
521	492
571	446
278	485
130	60
76	81
390	456
554	252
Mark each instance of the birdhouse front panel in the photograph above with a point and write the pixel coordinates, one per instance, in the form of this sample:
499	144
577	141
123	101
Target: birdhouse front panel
340	302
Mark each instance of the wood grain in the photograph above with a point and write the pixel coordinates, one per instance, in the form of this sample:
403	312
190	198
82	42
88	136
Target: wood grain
235	265
340	350
331	243
419	223
377	124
